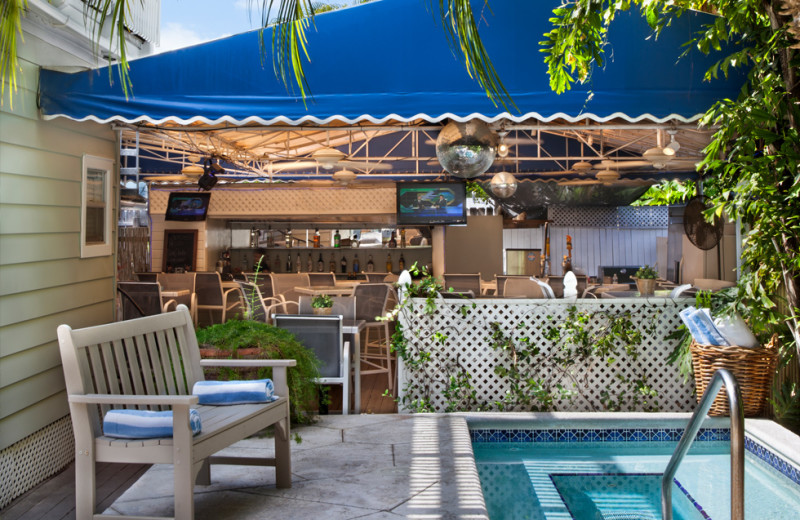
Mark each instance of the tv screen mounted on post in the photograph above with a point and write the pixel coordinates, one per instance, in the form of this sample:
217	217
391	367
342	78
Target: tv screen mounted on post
421	203
187	206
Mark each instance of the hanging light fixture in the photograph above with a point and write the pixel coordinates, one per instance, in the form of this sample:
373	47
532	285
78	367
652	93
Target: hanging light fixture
502	146
503	184
210	171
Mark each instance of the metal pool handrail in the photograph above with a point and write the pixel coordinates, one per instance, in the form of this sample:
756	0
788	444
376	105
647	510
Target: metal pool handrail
720	377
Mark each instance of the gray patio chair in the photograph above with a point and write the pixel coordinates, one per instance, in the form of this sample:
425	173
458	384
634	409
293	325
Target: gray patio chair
181	282
283	290
138	299
321	279
522	288
323	335
463	282
376	277
211	297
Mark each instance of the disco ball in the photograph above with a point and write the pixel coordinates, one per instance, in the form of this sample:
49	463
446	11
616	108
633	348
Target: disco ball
466	149
503	184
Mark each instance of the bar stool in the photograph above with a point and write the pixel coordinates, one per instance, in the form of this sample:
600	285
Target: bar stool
372	301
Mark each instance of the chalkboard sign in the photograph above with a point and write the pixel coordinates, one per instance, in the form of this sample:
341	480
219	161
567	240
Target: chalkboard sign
180	250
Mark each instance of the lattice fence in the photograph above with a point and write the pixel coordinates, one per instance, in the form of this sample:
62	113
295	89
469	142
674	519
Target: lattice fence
467	347
623	216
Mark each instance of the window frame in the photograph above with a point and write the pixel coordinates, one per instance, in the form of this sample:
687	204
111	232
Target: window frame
104	248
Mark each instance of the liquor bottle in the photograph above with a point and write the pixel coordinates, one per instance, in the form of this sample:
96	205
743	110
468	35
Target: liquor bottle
388	263
392	241
401	264
337	238
331	265
309	264
320	264
297	264
403	238
614	279
356	266
289	263
344	265
288	238
270	237
316	239
370	265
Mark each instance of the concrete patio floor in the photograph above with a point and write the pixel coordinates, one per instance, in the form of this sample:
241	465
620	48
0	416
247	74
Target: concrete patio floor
358	466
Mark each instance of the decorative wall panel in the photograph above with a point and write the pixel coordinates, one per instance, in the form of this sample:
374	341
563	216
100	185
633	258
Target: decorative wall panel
290	201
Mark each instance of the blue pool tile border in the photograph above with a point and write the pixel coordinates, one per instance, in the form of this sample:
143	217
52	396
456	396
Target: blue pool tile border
772	459
491	435
497	435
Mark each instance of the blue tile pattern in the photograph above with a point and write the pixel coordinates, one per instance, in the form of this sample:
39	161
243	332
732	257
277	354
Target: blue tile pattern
594	435
781	465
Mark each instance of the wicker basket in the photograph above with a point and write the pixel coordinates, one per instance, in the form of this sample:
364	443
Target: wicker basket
754	369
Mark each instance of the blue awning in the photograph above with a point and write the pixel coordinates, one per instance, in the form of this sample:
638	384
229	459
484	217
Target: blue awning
390	61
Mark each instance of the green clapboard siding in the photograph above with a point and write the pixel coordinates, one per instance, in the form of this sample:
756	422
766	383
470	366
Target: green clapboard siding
28	392
29	335
43	280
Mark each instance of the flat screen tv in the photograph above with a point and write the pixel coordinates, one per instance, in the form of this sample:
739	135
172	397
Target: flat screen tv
421	203
187	206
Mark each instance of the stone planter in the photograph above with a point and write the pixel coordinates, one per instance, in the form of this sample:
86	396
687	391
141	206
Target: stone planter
216	373
646	286
322	311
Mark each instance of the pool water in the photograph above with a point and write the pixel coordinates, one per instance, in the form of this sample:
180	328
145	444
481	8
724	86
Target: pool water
622	480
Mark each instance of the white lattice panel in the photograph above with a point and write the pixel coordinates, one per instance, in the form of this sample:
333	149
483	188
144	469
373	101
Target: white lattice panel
623	216
468	346
265	202
30	461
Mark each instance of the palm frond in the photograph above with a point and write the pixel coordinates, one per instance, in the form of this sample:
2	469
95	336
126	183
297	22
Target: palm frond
110	15
461	29
289	42
10	29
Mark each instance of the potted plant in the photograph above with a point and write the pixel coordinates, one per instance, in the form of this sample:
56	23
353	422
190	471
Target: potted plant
249	339
645	278
321	304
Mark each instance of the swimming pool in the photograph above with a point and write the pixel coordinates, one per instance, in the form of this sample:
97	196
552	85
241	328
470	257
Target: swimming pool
594	471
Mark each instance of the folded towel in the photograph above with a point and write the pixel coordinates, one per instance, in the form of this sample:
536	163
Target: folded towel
734	329
704	322
144	424
234	392
702	327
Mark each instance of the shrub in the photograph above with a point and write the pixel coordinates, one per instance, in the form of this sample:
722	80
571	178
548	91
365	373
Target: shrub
274	343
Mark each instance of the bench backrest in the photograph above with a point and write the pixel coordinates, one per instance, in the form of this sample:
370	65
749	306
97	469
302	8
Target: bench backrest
154	355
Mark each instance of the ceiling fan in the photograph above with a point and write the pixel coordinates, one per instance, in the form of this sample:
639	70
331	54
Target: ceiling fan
189	173
329	158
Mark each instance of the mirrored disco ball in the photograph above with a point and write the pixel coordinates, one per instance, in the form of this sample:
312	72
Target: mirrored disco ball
466	149
503	184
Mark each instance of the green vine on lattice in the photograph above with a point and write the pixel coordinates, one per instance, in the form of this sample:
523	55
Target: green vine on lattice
536	378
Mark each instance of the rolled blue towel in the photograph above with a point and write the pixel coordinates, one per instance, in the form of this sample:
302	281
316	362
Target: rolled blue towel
704	322
235	392
697	334
144	424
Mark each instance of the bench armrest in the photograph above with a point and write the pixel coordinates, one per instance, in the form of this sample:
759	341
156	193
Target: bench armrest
130	399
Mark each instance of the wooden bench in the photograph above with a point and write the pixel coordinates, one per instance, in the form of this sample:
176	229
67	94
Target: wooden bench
152	363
